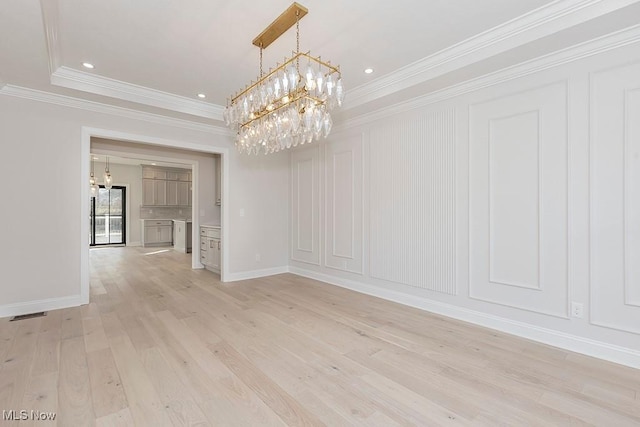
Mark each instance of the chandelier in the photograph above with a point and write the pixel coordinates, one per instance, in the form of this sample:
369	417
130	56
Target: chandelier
289	105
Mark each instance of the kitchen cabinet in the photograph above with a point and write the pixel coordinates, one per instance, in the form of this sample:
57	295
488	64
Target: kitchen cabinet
160	192
178	193
166	187
210	247
157	232
154	192
184	193
172	193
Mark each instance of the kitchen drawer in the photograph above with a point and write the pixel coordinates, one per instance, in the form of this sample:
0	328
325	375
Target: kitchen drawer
210	232
203	244
213	232
157	222
203	258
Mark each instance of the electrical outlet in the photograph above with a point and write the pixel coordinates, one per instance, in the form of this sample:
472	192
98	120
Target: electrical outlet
258	258
577	309
241	212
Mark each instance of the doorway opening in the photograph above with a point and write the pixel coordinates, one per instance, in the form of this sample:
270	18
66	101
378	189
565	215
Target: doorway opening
107	218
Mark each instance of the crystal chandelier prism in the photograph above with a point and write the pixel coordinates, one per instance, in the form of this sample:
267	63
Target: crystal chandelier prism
289	105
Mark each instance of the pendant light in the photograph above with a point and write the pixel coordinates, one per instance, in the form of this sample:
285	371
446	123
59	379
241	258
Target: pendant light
92	181
108	180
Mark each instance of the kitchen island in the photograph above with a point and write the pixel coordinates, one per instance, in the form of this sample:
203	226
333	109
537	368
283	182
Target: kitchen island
182	239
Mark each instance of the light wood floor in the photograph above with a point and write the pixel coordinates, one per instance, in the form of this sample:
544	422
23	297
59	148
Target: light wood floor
161	344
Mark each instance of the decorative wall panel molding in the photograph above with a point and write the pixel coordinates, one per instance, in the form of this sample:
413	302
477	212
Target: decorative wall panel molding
518	200
344	200
305	205
412	201
514	192
615	198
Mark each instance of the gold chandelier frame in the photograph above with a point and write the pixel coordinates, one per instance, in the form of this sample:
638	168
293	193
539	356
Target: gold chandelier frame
279	26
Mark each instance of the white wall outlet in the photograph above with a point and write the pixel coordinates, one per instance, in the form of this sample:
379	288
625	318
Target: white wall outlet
241	212
258	258
577	309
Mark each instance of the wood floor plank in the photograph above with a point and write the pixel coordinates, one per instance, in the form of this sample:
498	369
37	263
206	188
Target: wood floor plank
16	367
144	403
177	398
107	390
277	399
41	395
74	390
72	323
122	418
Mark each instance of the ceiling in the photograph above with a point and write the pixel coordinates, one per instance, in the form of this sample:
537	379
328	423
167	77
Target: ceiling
155	56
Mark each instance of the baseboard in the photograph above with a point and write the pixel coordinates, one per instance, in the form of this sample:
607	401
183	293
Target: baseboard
254	274
19	308
613	353
134	244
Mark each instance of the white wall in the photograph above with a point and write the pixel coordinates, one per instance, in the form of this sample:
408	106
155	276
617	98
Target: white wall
499	201
40	265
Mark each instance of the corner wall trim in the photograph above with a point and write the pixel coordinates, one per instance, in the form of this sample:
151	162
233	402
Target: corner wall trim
255	274
622	355
19	308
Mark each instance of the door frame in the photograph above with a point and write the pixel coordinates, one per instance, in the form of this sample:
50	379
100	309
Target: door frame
125	218
85	167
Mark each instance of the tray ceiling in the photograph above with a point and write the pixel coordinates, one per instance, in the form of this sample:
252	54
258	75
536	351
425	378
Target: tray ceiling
156	56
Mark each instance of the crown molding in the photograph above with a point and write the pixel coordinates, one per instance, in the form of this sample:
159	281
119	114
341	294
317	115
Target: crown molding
68	101
51	30
88	82
541	22
618	39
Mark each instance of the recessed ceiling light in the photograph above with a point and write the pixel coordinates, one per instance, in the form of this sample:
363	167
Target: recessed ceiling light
368	70
88	65
202	95
153	164
95	158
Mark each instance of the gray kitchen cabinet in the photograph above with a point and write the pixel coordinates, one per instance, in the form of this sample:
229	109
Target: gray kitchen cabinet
157	232
166	187
210	247
160	191
172	193
183	191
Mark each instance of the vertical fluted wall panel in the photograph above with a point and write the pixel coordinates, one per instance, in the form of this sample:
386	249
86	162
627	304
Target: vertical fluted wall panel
412	201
